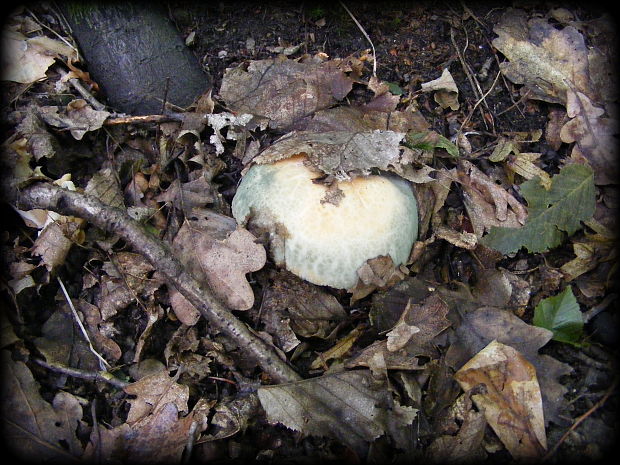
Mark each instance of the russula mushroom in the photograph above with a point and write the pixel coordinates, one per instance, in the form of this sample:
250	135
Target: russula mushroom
326	241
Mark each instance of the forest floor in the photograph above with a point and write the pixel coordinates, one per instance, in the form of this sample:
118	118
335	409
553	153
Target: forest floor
139	378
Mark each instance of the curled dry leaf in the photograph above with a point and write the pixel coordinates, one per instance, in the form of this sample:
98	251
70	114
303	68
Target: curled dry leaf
487	203
503	384
292	306
595	137
36	429
78	117
447	93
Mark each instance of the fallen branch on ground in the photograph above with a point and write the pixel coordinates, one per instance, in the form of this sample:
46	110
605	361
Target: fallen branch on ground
114	220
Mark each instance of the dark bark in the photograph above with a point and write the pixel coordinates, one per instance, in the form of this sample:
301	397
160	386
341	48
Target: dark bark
136	55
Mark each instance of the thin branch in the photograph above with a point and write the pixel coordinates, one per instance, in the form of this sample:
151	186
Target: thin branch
102	361
374	53
579	420
104	376
115	220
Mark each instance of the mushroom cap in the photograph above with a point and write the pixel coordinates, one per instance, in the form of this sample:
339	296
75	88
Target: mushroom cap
320	241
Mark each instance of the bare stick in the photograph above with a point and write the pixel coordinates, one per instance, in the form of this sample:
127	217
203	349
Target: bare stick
102	361
374	54
104	376
115	220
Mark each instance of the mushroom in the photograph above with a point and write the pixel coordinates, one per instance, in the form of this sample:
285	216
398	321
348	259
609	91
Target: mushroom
325	234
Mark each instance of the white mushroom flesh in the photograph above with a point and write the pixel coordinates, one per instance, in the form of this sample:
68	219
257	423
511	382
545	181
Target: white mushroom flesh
321	242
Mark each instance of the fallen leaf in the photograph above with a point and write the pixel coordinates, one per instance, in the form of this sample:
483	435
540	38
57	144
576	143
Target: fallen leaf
561	315
595	137
292	306
486	324
36	430
338	152
550	213
547	60
223	263
446	94
26	60
349	405
503	384
283	90
153	393
338	350
487	203
77	117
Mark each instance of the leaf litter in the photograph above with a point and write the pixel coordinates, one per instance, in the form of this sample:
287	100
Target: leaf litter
441	349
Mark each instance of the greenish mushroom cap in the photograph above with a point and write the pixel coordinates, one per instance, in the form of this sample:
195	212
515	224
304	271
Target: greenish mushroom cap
326	242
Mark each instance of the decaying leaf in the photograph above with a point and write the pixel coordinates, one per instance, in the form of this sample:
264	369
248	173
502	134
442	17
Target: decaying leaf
222	263
446	92
77	117
548	60
35	429
348	404
26	60
486	324
376	273
292	306
595	137
338	152
503	384
550	213
153	393
284	90
464	447
487	203
338	350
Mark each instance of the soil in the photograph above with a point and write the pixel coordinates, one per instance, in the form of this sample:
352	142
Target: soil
413	45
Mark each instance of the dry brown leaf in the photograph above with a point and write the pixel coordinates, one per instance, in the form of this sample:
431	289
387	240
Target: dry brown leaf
77	117
337	351
339	152
376	273
36	430
595	137
226	263
213	250
292	306
503	384
487	203
350	405
447	92
153	393
26	60
480	327
547	60
283	90
466	446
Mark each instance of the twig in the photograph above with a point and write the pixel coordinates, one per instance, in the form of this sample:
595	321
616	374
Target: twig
479	101
579	420
114	220
102	361
472	80
374	54
104	376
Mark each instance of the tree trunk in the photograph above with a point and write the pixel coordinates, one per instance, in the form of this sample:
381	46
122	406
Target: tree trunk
136	56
